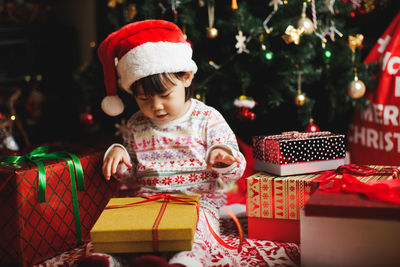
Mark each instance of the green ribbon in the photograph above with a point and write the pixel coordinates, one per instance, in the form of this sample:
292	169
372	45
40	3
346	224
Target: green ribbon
40	154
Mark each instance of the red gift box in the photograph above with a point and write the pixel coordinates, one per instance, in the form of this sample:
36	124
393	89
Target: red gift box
293	153
346	229
278	197
274	229
33	231
273	205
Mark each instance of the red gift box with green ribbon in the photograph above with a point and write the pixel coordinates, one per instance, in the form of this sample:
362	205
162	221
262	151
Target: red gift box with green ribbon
49	202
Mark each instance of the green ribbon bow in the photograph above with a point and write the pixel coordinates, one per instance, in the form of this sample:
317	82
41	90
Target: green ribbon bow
40	154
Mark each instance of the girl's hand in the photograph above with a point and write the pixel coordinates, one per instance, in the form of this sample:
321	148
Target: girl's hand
116	156
222	157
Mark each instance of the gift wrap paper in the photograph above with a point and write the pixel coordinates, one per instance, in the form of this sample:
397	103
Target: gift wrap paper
278	197
129	229
274	201
32	231
297	153
282	197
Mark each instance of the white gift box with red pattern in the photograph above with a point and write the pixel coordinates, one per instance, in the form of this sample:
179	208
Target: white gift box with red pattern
292	153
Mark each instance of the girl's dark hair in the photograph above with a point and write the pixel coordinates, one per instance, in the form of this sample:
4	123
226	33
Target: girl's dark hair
160	83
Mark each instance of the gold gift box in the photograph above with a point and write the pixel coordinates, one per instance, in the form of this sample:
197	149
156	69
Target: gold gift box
129	229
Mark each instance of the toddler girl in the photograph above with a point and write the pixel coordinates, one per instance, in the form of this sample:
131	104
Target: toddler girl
174	144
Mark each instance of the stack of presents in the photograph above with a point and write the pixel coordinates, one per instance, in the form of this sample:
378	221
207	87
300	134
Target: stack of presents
52	202
340	214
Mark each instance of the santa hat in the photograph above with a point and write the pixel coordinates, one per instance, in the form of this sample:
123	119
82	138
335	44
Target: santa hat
138	50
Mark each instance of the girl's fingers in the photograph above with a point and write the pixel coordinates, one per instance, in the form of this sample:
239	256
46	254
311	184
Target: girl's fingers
112	167
107	170
228	159
127	162
222	158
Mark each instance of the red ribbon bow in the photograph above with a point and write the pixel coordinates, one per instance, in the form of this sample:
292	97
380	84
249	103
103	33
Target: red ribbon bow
387	191
166	198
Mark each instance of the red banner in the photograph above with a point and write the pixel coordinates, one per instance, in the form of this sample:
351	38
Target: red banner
374	134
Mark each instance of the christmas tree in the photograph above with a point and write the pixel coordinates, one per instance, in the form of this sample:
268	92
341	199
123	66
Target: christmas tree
267	66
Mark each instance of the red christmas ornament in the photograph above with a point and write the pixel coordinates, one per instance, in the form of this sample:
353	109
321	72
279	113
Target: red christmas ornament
244	113
2	116
86	118
311	126
244	104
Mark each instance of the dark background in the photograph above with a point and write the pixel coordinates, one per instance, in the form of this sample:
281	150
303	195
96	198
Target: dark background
51	46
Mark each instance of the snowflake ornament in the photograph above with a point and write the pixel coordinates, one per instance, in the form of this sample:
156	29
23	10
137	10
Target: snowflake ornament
241	43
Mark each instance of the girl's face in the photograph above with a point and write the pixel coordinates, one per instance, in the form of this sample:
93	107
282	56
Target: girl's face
167	106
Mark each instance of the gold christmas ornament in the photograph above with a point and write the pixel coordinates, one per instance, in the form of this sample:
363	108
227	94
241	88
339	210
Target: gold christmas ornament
355	41
211	33
305	22
292	35
300	99
356	89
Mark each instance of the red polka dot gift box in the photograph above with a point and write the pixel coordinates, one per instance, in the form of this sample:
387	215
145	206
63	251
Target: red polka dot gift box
293	153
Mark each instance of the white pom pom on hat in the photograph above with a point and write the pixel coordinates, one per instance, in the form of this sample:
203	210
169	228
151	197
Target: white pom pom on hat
112	105
142	48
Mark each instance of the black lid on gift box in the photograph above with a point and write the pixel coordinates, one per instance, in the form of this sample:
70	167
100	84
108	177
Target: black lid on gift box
350	205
